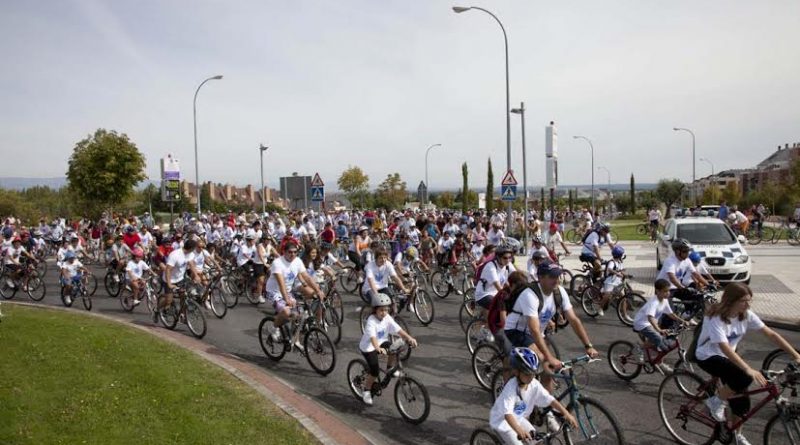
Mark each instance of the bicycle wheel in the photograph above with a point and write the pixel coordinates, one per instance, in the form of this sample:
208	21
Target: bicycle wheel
590	301
622	357
169	315
217	300
249	287
466	314
423	307
86	299
126	300
333	325
577	285
792	237
407	354
768	234
229	291
753	237
7	287
484	437
684	414
629	305
782	429
596	424
195	319
498	383
641	229
776	360
477	333
36	289
91	284
366	311
348	279
357	373
486	361
113	287
335	303
151	299
565	279
412	400
319	351
66	298
274	349
439	285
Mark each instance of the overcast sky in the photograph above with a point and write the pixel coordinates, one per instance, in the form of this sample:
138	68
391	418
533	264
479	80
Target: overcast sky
374	83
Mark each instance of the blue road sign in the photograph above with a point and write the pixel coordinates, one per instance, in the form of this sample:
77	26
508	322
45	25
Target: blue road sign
508	192
317	194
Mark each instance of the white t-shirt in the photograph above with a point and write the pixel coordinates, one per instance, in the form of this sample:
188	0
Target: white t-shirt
495	237
178	261
653	308
72	269
594	239
379	274
136	268
552	240
716	331
245	254
528	305
200	259
490	275
11	252
673	265
380	329
653	215
476	251
699	268
290	272
611	278
519	402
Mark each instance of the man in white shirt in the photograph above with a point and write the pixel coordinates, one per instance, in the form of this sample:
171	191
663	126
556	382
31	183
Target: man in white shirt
178	262
493	277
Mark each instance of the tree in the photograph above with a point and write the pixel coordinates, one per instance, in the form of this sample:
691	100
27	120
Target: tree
669	191
465	187
391	192
445	200
569	200
355	185
632	203
731	193
104	169
489	188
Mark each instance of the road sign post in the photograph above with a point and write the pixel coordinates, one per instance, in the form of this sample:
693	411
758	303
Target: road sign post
508	187
317	190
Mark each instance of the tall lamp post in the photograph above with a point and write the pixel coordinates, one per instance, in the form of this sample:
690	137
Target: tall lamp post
521	112
694	178
196	164
458	10
426	171
262	148
608	191
591	147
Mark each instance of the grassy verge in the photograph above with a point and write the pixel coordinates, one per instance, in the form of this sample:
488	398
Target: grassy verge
70	379
626	230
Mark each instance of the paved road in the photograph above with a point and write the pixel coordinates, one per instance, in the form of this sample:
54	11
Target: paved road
442	364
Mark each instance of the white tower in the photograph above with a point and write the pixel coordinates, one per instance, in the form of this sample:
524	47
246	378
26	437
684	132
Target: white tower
551	155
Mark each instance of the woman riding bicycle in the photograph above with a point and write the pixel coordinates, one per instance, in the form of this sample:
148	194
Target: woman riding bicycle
724	326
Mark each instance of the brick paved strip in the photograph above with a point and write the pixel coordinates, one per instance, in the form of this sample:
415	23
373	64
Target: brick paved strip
318	420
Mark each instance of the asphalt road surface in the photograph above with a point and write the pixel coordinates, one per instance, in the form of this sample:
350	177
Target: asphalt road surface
442	364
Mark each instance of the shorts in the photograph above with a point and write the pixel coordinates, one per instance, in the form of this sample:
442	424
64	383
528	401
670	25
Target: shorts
733	377
587	258
508	435
654	223
484	302
278	303
502	342
519	339
609	287
259	270
372	359
654	338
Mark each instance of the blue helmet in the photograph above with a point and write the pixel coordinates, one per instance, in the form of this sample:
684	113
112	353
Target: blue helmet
70	255
525	360
695	256
617	252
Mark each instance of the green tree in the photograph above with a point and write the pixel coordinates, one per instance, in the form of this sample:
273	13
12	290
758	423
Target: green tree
392	192
731	193
464	187
355	185
489	188
669	191
104	169
632	202
445	200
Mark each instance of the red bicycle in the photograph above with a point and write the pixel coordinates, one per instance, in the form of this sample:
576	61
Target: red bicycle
628	360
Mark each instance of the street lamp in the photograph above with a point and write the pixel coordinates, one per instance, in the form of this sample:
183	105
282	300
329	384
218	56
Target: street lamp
521	112
592	149
196	164
426	170
608	191
261	150
694	189
458	10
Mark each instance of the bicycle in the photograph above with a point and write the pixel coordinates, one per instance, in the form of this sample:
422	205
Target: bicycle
113	281
595	421
28	279
78	290
484	436
408	392
785	230
448	278
627	360
315	340
184	310
332	324
487	359
243	280
146	293
688	421
626	301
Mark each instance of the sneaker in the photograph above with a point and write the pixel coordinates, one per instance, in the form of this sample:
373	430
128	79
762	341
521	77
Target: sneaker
367	398
664	369
275	334
361	281
716	407
552	422
10	284
486	335
68	300
741	440
116	278
396	374
207	304
412	307
261	299
136	302
638	353
692	322
600	312
299	346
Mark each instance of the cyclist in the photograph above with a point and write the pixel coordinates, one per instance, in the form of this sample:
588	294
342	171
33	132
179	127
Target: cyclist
476	251
135	270
592	242
404	260
443	251
260	260
328	260
510	412
493	276
724	325
648	321
654	217
71	270
615	271
704	278
377	274
375	340
117	255
533	263
178	262
13	256
358	247
676	267
554	239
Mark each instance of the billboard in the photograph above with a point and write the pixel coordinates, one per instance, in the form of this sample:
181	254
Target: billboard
170	179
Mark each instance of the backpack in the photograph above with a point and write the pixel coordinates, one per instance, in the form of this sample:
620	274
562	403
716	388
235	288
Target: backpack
497	305
691	351
512	299
479	271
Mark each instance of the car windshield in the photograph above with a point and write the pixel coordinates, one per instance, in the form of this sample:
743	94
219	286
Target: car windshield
707	233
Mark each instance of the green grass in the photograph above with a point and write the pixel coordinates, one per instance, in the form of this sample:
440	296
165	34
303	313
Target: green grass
71	379
626	230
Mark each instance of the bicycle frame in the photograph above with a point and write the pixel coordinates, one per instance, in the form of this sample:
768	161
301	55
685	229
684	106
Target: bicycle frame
573	392
772	390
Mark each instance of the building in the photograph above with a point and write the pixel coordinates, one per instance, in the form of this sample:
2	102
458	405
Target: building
774	169
718	182
230	194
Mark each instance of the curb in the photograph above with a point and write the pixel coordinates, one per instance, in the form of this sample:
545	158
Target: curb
323	424
783	323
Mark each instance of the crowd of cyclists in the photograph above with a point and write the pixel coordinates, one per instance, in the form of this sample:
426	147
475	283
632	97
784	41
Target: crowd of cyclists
292	262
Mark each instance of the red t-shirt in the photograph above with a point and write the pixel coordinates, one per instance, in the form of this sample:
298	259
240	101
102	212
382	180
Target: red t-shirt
131	240
328	235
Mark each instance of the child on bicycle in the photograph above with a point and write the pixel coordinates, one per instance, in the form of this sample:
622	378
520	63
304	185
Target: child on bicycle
647	321
135	273
375	340
510	412
615	271
71	272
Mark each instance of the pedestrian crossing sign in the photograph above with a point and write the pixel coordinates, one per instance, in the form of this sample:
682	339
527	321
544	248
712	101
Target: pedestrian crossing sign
317	194
508	192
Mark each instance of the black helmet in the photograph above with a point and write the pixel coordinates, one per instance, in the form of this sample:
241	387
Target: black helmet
681	244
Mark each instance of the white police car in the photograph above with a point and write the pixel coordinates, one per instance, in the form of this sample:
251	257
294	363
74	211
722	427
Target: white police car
720	248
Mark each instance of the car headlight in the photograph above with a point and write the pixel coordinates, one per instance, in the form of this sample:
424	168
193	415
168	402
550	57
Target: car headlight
741	259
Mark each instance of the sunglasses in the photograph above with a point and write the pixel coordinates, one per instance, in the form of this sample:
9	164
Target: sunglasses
507	257
291	252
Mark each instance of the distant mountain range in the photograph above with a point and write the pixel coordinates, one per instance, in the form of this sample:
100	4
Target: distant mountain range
54	183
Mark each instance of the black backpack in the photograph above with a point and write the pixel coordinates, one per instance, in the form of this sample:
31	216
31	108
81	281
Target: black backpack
512	299
691	351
